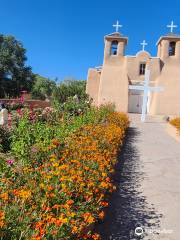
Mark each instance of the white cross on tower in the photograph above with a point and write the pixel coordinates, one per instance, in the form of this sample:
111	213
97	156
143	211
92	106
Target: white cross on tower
143	45
172	26
117	26
146	88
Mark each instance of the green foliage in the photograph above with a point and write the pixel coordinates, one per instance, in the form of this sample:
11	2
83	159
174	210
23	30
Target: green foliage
70	88
43	87
74	106
29	136
5	140
14	75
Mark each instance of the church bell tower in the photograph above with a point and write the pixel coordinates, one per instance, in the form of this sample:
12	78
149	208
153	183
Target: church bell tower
169	45
113	86
168	100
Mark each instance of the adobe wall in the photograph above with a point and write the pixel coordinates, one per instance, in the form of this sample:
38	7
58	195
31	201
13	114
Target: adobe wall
113	86
133	64
92	85
167	102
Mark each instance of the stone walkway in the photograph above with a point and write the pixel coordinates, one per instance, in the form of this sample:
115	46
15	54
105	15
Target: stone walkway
148	186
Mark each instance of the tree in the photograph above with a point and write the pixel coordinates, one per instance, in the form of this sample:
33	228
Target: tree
70	88
14	75
43	87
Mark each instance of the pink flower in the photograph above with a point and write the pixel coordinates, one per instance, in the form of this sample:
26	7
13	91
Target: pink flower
19	111
10	162
21	99
34	149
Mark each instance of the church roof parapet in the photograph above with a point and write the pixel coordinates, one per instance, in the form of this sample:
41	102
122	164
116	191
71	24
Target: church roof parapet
116	36
169	36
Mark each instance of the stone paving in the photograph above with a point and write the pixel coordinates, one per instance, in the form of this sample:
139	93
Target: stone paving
148	185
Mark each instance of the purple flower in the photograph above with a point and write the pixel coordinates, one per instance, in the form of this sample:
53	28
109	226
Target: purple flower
10	162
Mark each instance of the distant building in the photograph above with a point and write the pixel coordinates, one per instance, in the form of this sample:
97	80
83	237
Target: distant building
110	82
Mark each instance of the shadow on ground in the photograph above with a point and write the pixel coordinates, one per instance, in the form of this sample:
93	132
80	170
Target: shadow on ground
128	207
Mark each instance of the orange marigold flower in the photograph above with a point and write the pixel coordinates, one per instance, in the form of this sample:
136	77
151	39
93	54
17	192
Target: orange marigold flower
56	206
88	217
2	217
55	142
101	215
74	230
24	194
70	202
104	204
4	196
50	188
96	236
38	225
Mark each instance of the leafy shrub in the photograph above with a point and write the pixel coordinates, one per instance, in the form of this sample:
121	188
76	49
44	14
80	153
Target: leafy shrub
5	140
120	119
42	87
70	88
27	134
74	106
176	122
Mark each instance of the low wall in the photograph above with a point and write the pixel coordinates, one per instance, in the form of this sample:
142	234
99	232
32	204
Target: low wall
30	103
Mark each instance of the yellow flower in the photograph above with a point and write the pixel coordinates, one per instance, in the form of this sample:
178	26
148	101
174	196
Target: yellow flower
24	194
4	196
41	185
55	164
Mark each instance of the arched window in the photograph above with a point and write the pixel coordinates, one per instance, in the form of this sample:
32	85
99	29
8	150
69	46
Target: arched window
114	46
172	46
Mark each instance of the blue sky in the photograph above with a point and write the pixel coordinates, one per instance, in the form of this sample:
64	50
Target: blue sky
64	38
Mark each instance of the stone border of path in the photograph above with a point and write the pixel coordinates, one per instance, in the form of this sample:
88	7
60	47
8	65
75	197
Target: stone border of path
172	131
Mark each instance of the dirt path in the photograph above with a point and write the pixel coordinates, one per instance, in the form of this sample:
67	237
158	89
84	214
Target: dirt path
148	186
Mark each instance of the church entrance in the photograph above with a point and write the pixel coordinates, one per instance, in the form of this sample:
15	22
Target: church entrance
135	101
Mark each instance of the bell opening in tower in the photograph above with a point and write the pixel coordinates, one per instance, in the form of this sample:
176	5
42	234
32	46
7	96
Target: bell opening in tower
114	47
172	46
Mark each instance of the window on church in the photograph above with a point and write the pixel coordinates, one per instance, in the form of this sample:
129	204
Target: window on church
114	47
172	46
142	68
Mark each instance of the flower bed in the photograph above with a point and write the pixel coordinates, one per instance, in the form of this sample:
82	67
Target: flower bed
176	122
62	195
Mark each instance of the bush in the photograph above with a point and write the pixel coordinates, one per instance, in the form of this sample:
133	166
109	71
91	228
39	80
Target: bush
30	133
66	193
176	122
42	87
5	140
70	88
74	106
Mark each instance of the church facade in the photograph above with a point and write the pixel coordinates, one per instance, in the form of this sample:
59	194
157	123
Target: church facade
110	83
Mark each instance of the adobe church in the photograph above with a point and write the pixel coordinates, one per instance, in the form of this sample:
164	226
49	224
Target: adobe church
112	82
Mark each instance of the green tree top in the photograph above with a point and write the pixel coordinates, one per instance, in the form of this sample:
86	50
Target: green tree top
43	87
14	75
